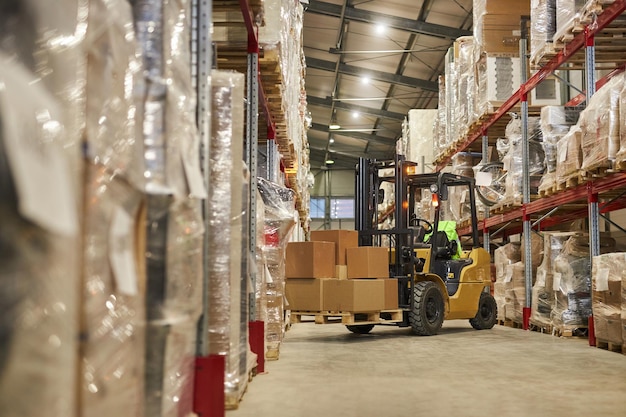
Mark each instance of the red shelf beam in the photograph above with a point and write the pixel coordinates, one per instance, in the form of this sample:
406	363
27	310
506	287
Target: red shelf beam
608	15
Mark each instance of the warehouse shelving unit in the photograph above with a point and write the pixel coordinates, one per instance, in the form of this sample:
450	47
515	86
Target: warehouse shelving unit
570	204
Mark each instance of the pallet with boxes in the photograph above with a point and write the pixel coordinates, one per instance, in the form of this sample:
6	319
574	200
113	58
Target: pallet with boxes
336	281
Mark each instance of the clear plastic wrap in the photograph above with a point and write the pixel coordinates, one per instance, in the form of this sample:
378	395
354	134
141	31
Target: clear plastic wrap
441	131
515	292
451	91
542	292
599	124
466	84
171	140
420	139
512	160
620	157
112	365
279	222
569	155
571	281
542	25
39	260
458	198
606	281
568	13
114	77
504	257
225	234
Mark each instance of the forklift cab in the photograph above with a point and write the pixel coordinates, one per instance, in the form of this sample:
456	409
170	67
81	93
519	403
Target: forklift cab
424	250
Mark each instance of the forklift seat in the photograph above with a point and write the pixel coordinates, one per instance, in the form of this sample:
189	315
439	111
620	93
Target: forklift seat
444	248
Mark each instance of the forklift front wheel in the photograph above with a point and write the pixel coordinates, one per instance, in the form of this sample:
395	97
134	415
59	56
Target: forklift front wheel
487	313
361	328
426	317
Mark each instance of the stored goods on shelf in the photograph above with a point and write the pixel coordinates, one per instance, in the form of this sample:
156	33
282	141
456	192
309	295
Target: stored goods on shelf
421	137
497	25
600	127
504	258
620	158
607	275
569	155
39	234
497	79
279	222
568	15
572	282
542	27
514	292
555	123
174	222
543	297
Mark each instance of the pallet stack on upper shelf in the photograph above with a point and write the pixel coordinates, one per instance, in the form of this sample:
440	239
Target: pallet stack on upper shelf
282	74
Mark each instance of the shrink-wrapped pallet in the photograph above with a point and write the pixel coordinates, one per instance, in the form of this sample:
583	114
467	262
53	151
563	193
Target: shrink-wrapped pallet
174	222
542	26
459	208
515	292
261	280
226	227
497	78
620	158
511	148
497	25
607	273
420	144
600	127
571	282
279	222
569	155
568	14
465	111
112	363
40	246
624	308
555	123
451	91
504	258
542	292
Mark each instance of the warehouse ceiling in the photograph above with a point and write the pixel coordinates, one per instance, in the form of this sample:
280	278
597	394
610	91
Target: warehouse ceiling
368	63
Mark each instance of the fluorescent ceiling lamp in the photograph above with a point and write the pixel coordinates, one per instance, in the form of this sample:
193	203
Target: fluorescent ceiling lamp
329	161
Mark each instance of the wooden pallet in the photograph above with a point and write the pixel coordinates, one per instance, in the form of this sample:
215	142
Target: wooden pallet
600	170
349	318
578	331
569	182
514	324
540	327
548	191
231	401
613	347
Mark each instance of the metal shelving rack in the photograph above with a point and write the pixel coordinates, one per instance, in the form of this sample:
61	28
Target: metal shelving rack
549	210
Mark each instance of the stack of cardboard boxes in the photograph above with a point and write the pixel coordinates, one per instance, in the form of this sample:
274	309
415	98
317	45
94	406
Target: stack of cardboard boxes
331	273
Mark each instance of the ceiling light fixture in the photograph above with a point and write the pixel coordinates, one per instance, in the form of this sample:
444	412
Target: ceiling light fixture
380	29
331	140
334	126
365	80
355	114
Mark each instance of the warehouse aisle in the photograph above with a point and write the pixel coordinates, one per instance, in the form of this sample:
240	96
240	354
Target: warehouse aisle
324	371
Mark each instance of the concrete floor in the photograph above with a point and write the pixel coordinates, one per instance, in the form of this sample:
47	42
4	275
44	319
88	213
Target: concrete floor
325	371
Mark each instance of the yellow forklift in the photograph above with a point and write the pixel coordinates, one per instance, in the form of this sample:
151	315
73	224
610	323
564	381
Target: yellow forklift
437	279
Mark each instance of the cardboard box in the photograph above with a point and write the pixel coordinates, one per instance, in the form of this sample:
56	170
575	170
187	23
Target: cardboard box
391	294
305	294
368	262
342	239
358	295
497	25
310	260
341	271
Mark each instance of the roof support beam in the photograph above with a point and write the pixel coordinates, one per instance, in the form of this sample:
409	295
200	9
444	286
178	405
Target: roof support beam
416	26
328	102
374	75
356	135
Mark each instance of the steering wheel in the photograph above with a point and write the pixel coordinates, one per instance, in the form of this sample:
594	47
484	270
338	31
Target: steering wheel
417	222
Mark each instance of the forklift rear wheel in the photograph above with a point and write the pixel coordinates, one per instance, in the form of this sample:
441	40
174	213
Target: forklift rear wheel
487	313
361	328
426	317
